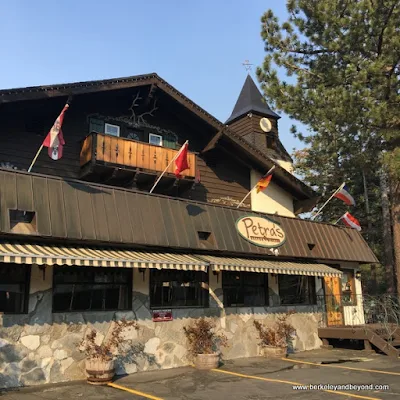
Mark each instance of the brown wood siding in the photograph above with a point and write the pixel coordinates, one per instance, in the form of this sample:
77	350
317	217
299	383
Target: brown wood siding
221	180
20	139
99	213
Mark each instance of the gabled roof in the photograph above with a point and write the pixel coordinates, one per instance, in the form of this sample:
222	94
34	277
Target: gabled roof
78	88
250	100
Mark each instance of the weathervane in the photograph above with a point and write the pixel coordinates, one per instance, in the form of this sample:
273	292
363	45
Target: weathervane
247	66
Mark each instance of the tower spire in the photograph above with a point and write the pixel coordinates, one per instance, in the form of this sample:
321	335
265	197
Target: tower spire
250	100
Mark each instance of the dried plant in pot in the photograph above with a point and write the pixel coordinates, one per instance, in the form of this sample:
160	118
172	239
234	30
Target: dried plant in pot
204	343
274	340
100	357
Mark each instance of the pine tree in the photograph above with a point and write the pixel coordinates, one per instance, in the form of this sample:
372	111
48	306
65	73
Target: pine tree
343	66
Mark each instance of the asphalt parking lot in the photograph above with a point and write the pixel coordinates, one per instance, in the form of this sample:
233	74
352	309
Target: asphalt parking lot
246	379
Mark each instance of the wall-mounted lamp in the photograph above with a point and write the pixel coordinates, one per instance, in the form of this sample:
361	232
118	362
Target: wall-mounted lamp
216	273
358	275
143	271
43	269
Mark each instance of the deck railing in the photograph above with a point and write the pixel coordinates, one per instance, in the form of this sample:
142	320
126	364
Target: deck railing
111	150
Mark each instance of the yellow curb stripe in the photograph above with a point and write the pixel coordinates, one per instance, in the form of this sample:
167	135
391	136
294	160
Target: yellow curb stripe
342	367
294	383
148	396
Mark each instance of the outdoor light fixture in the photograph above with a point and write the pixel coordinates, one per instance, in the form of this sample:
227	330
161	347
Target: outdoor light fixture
358	275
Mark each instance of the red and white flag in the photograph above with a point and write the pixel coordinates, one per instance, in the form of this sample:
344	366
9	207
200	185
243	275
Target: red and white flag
351	221
181	160
343	194
55	139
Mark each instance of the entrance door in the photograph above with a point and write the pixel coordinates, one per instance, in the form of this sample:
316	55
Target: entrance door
333	301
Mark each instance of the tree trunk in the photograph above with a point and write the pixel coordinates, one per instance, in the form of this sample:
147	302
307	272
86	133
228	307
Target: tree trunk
395	192
374	283
387	234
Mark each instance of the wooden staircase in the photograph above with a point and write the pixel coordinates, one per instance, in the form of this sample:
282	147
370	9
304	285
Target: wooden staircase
371	334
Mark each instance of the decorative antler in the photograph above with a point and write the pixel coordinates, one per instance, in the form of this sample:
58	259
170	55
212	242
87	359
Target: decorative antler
134	104
141	116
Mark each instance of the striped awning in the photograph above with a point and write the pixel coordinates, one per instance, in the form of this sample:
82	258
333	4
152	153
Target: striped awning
269	266
96	257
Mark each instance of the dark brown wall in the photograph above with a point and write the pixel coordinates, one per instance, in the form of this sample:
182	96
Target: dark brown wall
249	128
24	125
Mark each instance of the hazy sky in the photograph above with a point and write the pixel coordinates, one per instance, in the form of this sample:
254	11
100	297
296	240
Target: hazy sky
197	46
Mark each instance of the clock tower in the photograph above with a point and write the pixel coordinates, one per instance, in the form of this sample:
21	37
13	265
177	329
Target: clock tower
253	119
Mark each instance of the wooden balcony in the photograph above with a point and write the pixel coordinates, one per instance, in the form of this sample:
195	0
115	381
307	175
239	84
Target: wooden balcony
104	157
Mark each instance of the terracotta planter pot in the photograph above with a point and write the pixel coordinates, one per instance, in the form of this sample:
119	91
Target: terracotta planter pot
273	352
206	361
99	372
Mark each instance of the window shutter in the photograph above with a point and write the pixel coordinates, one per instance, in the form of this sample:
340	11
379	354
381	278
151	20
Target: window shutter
170	141
96	125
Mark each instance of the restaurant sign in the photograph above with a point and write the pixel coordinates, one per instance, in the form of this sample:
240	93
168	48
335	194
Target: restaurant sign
261	231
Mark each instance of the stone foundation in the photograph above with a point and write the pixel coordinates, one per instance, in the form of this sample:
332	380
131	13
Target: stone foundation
43	347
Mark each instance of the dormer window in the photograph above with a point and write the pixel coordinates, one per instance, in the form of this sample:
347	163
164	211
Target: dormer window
271	142
157	140
110	129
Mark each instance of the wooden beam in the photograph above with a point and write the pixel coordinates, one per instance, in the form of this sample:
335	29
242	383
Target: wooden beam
150	96
213	142
72	89
112	175
132	183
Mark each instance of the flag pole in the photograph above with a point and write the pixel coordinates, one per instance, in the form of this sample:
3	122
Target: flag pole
248	194
339	219
165	170
67	104
34	160
330	198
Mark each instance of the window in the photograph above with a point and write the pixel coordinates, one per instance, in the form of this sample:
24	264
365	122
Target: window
89	289
14	288
348	288
169	289
135	135
244	289
23	222
297	289
271	142
157	140
111	129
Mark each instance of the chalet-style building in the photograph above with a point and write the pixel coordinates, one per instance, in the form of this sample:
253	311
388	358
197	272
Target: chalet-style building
83	242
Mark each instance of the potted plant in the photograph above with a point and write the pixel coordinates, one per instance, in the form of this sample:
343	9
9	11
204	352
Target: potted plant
274	340
100	357
203	343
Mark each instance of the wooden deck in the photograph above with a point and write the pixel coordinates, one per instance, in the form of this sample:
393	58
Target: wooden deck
385	338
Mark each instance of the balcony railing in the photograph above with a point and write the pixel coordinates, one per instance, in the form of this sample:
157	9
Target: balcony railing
109	150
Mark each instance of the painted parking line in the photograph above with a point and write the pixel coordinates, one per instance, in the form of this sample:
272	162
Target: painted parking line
347	394
137	392
378	371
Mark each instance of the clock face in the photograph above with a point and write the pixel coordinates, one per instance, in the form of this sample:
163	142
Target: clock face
265	124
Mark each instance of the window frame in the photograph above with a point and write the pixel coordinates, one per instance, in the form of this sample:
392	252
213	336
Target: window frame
242	287
353	297
312	296
26	292
129	286
107	124
172	306
158	136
